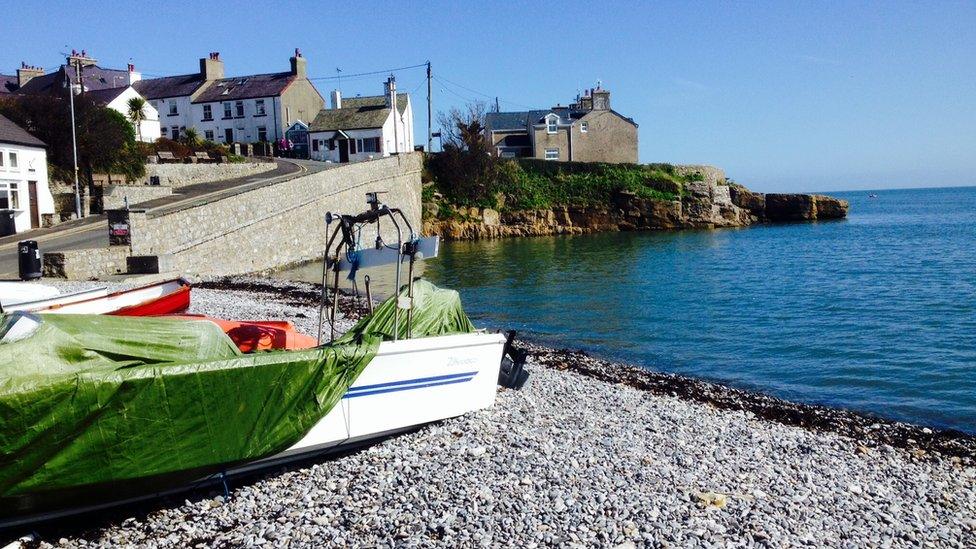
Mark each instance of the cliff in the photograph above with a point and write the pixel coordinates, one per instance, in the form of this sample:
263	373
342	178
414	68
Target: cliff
704	204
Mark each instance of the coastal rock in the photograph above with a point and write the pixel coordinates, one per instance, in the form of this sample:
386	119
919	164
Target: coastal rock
790	207
746	199
829	207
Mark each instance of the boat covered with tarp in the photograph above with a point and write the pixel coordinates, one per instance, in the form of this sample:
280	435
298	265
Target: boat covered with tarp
104	408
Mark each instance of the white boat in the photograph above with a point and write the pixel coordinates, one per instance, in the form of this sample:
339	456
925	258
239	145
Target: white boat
12	293
167	297
46	300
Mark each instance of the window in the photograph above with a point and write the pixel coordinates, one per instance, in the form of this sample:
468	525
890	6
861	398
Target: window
352	146
584	127
259	107
552	154
13	161
228	110
262	133
239	106
9	197
1	160
315	145
208	135
208	112
369	145
164	131
172	108
551	124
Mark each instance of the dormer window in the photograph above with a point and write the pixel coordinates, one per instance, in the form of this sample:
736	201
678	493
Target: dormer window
551	124
584	127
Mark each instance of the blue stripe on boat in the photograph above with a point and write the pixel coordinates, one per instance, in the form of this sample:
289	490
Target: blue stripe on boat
408	384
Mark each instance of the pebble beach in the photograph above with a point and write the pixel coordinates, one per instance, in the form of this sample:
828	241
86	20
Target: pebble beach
587	454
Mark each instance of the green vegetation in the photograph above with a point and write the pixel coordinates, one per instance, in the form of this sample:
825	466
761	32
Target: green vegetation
529	184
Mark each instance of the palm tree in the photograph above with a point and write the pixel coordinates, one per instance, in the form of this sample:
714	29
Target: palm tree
137	114
191	138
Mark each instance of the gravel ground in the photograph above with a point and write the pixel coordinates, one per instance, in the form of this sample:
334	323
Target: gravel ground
571	460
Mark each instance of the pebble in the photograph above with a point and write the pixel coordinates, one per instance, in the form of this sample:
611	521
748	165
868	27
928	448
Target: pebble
575	461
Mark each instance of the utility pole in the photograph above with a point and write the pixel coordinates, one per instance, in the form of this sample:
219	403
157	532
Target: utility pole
78	61
74	143
430	138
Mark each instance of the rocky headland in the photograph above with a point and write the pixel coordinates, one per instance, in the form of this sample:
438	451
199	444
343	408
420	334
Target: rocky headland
711	202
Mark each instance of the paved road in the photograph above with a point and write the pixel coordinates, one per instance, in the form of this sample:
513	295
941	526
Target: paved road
92	232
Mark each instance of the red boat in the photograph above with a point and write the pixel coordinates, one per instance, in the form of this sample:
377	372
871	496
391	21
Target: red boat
161	298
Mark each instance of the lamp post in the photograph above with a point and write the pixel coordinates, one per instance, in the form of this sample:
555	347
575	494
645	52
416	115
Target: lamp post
74	143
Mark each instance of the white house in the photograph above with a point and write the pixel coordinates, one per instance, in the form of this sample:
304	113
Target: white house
117	99
242	109
361	128
24	192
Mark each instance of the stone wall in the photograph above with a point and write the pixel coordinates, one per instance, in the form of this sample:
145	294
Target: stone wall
181	175
113	196
278	224
85	264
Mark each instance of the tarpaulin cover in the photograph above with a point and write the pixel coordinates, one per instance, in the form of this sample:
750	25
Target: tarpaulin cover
95	406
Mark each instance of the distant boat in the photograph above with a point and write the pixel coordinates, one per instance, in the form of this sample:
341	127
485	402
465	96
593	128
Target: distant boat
872	195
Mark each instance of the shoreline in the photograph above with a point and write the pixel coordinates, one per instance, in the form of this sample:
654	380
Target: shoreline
590	453
871	430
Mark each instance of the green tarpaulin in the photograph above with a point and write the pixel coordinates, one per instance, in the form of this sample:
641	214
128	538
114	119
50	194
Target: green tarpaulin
104	406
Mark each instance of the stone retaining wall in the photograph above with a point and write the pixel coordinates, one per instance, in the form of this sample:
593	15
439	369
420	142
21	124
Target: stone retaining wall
181	175
85	264
113	196
278	224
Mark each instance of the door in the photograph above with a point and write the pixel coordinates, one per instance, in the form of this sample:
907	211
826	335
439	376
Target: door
32	197
343	150
228	135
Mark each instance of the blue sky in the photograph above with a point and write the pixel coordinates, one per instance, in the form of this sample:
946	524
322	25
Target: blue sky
783	95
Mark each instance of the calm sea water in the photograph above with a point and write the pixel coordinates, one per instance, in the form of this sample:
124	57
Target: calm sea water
874	313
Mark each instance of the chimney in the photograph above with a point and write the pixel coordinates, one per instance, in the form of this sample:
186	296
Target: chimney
601	100
134	76
299	65
336	99
26	72
212	68
389	89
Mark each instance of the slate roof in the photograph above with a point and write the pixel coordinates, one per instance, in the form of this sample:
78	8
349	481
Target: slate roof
93	78
14	134
246	87
357	113
106	96
169	86
513	121
8	83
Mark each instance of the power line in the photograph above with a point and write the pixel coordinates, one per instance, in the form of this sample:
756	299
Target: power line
371	73
445	81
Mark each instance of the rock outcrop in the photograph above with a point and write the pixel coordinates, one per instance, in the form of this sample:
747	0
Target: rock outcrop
704	205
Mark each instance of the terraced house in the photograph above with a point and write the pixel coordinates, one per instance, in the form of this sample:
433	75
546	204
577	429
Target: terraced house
588	130
241	109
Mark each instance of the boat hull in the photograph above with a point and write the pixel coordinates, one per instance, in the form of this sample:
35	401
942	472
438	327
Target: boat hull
407	384
162	298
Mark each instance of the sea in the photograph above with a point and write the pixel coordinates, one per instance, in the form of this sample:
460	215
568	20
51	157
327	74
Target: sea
875	313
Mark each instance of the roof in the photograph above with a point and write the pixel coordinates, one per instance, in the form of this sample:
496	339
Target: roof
169	86
8	83
106	96
12	133
246	87
93	78
357	113
521	120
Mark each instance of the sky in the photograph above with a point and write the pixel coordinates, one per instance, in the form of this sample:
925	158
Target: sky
784	96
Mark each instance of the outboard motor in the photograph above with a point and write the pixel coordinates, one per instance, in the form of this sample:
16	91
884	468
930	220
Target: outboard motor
512	374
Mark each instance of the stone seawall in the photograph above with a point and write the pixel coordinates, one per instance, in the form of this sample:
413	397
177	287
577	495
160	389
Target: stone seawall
274	225
181	175
705	205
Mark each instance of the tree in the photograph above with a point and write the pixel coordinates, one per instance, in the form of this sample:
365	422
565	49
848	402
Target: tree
137	114
106	139
191	138
464	128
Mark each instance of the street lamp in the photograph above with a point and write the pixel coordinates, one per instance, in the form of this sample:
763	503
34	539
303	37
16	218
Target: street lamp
74	142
